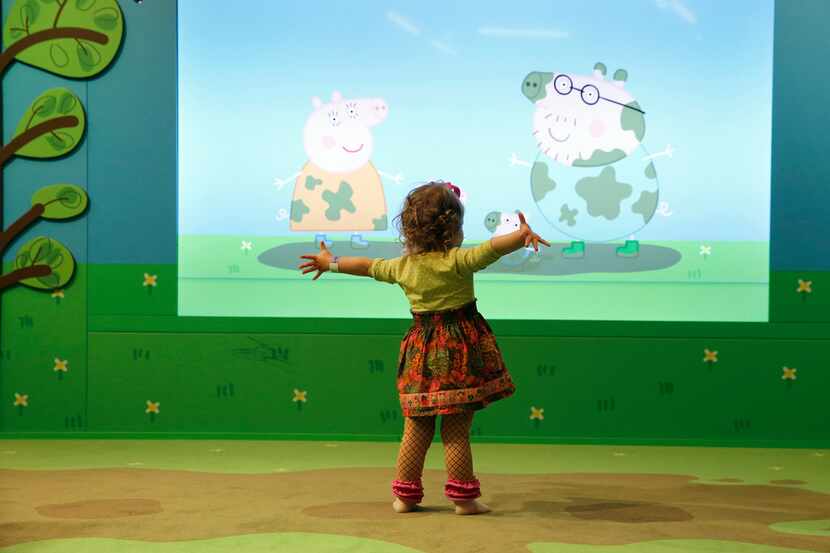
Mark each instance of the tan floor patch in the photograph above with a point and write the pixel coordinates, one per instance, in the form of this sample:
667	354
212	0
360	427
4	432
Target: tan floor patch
626	511
600	509
101	508
363	510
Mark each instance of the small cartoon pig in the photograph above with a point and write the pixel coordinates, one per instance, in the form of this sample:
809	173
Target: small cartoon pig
504	222
338	188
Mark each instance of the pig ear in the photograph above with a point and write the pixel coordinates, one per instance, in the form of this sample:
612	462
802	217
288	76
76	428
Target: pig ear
316	102
336	96
620	76
600	70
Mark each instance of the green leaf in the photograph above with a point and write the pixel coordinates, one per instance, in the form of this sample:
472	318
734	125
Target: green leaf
57	102
39	251
88	55
61	201
29	11
54	260
44	107
22	259
48	282
58	55
68	102
46	251
83	57
60	141
106	19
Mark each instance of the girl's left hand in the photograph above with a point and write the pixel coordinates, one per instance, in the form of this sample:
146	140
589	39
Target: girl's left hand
319	262
530	236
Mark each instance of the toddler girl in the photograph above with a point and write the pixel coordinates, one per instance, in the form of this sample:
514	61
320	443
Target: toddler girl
449	364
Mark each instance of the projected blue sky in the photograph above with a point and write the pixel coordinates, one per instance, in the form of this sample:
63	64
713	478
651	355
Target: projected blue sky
451	75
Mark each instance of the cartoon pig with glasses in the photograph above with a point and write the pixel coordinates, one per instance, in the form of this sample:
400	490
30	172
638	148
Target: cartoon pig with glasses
592	179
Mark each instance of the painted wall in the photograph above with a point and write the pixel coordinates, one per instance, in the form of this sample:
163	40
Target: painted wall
596	381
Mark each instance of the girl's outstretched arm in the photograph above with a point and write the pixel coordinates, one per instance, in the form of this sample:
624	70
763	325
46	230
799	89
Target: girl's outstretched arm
322	261
354	265
523	237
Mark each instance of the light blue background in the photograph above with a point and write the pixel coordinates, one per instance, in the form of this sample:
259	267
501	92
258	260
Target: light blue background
247	73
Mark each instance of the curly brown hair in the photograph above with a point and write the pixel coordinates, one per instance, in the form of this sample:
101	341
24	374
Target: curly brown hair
430	219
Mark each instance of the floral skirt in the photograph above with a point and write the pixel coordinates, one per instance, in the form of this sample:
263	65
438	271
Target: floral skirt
450	363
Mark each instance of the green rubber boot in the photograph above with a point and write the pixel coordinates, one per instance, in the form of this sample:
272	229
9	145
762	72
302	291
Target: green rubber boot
574	251
630	249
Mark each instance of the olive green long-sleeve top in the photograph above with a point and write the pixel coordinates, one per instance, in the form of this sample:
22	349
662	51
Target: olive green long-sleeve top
436	281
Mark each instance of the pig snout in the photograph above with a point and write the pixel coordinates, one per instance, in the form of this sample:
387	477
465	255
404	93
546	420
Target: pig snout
378	110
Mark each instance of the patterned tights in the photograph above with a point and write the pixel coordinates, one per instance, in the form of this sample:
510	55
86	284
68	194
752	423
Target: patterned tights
417	437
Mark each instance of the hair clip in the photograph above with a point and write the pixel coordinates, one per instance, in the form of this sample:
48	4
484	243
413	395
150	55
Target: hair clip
454	188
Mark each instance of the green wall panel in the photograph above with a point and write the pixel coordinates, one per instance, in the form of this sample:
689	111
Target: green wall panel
120	290
660	389
640	390
800	297
36	329
621	382
243	383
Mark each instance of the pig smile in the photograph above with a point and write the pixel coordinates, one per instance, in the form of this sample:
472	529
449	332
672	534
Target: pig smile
353	151
550	134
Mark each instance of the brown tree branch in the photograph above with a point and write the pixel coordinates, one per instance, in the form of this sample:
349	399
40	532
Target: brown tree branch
9	54
60	10
19	226
40	129
20	274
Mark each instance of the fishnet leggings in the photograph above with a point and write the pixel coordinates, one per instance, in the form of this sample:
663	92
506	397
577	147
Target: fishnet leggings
417	437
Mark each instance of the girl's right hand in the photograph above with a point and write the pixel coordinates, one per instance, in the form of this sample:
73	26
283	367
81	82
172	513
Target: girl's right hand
530	236
319	262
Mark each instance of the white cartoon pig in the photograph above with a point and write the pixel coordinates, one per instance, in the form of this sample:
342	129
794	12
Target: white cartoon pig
338	188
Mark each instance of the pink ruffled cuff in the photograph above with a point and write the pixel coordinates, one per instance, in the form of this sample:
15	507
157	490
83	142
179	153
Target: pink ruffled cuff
458	490
411	491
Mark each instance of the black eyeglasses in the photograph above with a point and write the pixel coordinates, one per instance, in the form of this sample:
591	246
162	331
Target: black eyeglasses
589	93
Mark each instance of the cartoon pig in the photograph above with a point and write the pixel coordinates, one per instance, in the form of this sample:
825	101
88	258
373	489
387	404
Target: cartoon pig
584	121
338	188
592	178
504	222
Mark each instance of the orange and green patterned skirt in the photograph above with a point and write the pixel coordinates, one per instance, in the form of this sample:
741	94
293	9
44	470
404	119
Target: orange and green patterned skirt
450	363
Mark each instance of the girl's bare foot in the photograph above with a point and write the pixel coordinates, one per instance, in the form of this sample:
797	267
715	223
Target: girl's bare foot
470	507
403	507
